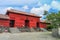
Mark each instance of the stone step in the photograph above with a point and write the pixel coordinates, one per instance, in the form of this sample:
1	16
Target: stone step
14	30
32	30
42	29
24	29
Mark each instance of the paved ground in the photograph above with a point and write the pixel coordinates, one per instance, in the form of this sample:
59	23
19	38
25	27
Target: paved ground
27	36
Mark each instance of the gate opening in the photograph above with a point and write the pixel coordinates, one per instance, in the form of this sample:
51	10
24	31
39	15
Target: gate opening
26	23
12	23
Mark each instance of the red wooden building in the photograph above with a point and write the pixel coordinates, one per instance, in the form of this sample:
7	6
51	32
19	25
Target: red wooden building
15	18
4	20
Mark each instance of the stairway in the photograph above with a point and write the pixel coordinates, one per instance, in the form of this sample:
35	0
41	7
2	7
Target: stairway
32	30
14	30
44	30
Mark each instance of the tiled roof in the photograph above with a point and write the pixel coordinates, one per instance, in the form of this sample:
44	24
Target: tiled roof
44	21
4	16
21	12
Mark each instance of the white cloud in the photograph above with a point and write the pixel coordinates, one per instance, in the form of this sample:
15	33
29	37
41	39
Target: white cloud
25	7
55	4
40	11
37	11
46	7
4	9
9	8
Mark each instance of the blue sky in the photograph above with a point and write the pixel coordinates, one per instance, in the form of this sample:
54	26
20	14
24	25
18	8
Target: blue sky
33	6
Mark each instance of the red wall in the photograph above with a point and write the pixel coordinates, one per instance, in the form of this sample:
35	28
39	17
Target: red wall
43	25
20	20
4	22
33	21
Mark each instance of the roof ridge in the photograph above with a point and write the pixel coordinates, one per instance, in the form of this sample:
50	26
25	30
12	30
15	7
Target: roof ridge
2	16
21	12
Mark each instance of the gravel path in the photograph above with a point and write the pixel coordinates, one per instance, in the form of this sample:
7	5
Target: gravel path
27	36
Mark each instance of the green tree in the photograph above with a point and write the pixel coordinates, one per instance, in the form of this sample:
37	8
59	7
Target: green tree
45	12
54	19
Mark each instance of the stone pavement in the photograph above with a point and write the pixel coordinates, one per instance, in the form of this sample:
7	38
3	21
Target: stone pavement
27	36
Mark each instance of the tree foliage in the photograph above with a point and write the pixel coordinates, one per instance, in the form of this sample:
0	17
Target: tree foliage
54	19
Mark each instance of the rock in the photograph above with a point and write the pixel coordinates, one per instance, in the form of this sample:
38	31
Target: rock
55	32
